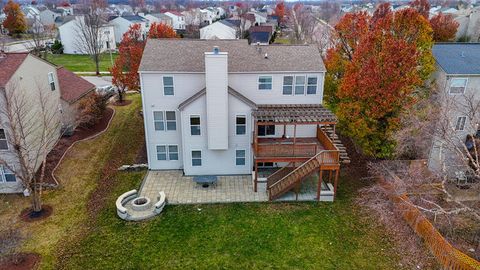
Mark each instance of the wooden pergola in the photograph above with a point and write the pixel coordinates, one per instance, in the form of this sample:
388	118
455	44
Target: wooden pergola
294	150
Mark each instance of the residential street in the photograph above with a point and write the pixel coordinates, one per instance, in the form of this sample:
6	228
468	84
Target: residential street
21	46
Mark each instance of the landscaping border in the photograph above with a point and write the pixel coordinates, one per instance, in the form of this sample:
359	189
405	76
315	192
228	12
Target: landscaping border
447	255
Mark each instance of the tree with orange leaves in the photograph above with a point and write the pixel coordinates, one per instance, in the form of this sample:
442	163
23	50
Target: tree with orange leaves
15	21
125	70
280	11
374	72
444	27
161	30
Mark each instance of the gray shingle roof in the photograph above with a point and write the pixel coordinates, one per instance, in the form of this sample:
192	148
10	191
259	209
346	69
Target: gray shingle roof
187	55
458	58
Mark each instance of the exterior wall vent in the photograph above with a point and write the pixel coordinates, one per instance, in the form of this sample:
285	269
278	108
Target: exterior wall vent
216	50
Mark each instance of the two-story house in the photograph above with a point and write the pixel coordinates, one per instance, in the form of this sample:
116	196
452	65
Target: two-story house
458	79
178	20
223	107
121	24
31	83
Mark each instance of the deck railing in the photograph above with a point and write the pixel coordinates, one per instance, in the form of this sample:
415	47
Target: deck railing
282	149
325	140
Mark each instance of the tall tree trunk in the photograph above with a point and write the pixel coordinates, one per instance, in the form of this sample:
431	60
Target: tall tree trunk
96	58
36	197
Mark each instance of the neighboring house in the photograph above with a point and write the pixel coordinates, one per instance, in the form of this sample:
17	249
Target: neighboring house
260	35
219	30
71	41
469	24
178	19
30	12
458	76
223	107
28	75
65	8
47	17
207	16
158	18
121	25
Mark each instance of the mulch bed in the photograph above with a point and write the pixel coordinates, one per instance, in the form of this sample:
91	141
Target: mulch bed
20	261
80	133
28	216
142	155
123	103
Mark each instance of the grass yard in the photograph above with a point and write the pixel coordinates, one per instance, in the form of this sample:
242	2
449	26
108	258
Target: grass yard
85	233
81	63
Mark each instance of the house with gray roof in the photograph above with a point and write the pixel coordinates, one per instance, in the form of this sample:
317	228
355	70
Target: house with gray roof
458	80
224	107
223	29
121	24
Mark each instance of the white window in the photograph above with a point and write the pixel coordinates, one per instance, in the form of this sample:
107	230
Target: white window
6	175
161	152
268	130
196	158
168	86
299	85
158	120
458	85
312	85
173	152
51	81
460	125
3	140
240	157
171	120
288	85
265	83
195	125
241	125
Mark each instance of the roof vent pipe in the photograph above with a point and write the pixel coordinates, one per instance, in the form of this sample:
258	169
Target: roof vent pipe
266	55
216	50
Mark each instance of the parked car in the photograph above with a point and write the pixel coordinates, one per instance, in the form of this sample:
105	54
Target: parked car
107	91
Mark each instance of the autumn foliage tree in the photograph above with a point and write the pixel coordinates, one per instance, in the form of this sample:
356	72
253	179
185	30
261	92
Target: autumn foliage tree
15	21
444	27
376	71
125	69
280	11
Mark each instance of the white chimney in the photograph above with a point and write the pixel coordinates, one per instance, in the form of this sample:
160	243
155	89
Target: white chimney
216	79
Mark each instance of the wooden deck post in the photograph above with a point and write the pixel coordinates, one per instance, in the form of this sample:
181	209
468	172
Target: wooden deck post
335	184
256	176
319	188
294	137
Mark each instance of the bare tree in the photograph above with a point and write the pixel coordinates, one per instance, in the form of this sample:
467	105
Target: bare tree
32	125
303	24
90	35
40	34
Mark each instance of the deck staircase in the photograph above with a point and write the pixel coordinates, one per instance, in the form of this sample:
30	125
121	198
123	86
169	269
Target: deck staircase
288	177
336	141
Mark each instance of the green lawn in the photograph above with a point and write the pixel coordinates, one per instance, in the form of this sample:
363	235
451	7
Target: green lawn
81	63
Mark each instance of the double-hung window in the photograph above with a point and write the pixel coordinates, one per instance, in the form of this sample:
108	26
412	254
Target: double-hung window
312	85
240	157
171	120
168	86
299	85
6	175
196	158
51	81
288	85
265	83
173	152
460	125
458	85
241	125
3	140
161	152
167	152
195	125
158	120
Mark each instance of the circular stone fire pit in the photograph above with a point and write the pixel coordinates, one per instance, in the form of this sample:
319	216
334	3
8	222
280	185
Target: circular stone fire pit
141	204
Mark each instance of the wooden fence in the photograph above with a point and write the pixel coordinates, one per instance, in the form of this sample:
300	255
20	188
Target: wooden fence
448	256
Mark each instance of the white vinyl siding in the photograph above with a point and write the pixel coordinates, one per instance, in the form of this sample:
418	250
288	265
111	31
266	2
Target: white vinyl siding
196	158
240	157
241	125
3	140
195	128
51	81
460	125
287	85
265	83
458	86
6	175
168	89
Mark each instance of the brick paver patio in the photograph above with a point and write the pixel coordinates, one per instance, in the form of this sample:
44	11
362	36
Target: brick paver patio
181	189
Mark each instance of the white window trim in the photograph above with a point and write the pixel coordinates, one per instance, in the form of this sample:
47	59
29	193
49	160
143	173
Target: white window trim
258	83
191	157
464	123
450	85
293	84
166	152
246	124
6	139
306	85
245	157
173	85
3	178
190	124
164	121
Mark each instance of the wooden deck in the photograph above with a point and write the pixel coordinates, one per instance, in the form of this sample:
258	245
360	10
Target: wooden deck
284	148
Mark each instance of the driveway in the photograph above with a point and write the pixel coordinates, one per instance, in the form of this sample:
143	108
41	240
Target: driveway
99	81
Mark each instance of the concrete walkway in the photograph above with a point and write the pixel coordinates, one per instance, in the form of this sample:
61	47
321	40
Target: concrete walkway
181	189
